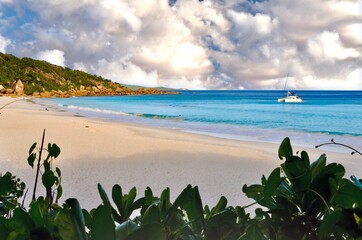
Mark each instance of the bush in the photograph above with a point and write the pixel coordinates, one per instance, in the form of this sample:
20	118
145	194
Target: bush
298	200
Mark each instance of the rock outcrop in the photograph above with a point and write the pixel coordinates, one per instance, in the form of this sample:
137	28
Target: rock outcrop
19	88
2	89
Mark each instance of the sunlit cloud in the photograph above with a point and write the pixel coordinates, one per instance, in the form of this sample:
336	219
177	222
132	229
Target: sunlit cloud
200	45
52	56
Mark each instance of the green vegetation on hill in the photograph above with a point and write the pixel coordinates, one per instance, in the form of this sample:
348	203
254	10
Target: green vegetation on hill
42	77
300	200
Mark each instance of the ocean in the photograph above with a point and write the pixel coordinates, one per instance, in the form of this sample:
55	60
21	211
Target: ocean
250	115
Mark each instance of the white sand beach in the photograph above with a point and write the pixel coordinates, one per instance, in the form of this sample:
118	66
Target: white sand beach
100	151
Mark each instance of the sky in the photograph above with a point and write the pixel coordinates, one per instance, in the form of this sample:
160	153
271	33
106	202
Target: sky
192	44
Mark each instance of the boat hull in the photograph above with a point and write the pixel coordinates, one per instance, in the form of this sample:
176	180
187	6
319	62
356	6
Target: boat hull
290	100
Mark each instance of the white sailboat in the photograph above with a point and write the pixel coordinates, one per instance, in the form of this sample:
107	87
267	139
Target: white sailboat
291	97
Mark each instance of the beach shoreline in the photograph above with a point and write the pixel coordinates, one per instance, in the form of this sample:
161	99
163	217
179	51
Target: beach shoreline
108	152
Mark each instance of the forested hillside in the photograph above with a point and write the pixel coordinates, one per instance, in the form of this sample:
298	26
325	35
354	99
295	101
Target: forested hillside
26	76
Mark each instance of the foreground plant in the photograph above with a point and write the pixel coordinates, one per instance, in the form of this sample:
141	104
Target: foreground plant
300	200
311	201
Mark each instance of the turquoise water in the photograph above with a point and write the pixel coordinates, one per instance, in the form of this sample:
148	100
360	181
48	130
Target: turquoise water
250	115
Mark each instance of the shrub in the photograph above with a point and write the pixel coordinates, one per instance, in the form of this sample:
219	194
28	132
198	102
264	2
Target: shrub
298	200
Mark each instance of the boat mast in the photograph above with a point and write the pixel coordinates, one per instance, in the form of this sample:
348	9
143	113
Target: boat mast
286	81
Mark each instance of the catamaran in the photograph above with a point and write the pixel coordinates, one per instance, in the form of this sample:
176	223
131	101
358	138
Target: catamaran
291	96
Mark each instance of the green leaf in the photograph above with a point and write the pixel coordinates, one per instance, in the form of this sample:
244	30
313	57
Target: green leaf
148	196
222	225
21	223
88	220
125	229
54	150
318	166
253	232
48	179
77	217
149	232
129	199
220	206
347	194
190	201
46	165
165	203
59	192
32	148
285	149
31	160
272	184
58	172
151	216
103	195
298	172
117	197
254	191
36	214
65	224
103	226
329	224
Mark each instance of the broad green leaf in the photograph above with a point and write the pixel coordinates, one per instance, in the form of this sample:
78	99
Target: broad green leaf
190	201
77	217
347	194
148	196
117	197
48	179
65	224
272	184
32	148
329	224
129	199
304	156
36	214
88	221
151	216
103	195
220	206
125	229
31	160
148	232
46	165
254	191
21	222
58	172
318	166
54	150
285	149
103	227
165	202
253	232
59	192
298	172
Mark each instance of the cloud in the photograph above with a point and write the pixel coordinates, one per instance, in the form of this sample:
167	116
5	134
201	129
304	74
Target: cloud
52	56
205	45
327	46
4	43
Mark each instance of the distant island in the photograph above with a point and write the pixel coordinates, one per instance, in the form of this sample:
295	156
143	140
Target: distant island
29	77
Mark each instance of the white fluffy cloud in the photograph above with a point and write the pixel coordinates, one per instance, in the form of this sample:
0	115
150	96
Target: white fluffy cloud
327	46
3	44
52	56
205	45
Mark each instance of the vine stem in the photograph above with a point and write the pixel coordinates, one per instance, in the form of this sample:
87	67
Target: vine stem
10	103
38	166
340	144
